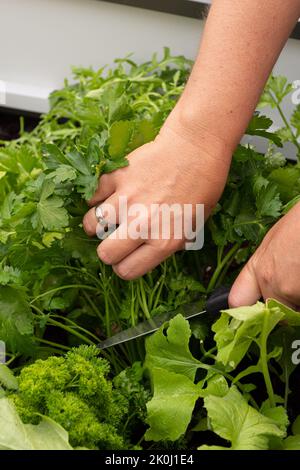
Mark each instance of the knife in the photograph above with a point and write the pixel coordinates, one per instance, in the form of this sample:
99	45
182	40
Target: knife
216	302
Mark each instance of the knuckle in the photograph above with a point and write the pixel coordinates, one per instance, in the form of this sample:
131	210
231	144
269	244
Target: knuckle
263	267
87	226
104	179
103	254
122	271
287	290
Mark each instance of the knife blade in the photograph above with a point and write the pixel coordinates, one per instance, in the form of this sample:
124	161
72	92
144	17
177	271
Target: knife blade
216	302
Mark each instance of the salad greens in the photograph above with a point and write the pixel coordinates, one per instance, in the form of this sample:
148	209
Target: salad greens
234	379
229	393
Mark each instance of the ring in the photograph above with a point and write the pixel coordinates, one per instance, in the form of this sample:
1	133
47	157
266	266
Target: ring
100	217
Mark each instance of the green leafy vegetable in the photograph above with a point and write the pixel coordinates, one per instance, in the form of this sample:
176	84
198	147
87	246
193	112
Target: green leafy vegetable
240	424
15	435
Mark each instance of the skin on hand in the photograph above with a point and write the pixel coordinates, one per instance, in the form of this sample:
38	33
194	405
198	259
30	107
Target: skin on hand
171	169
189	161
274	269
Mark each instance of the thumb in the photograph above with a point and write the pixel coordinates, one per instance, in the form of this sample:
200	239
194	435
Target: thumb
245	290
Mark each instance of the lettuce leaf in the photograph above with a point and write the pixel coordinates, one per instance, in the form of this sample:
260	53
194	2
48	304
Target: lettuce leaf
233	419
15	435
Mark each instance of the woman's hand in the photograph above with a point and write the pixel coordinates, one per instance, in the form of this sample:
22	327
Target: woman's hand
180	166
274	269
189	161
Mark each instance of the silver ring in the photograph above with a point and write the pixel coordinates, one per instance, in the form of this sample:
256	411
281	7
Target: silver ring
100	217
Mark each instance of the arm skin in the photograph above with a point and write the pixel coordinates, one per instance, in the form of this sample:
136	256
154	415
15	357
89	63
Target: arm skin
240	45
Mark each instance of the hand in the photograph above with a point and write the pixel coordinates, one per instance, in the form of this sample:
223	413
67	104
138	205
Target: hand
274	269
175	168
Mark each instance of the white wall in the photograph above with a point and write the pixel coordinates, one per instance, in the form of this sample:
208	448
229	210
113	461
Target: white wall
41	39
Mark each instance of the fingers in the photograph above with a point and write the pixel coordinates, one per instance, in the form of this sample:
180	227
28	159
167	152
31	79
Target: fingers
248	289
245	290
118	246
106	187
142	260
110	211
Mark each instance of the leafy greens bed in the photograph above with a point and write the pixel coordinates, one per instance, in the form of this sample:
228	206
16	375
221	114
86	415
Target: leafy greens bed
233	375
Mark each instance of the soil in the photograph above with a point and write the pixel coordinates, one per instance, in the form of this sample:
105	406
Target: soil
10	123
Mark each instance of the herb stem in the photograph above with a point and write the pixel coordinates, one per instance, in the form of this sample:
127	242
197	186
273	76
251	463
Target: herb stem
51	343
287	124
264	359
57	289
214	279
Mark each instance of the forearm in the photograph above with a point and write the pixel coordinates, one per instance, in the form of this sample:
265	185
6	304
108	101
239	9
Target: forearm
241	43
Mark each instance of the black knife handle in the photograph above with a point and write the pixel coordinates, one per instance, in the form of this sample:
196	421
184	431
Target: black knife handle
218	300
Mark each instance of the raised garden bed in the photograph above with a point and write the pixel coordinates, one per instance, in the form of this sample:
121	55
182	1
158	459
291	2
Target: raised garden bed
227	381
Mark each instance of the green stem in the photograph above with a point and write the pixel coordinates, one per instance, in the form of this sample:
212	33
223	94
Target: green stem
79	270
93	306
208	353
143	299
77	327
7	363
70	330
286	375
264	359
107	316
287	124
160	287
51	343
132	305
57	289
229	256
53	322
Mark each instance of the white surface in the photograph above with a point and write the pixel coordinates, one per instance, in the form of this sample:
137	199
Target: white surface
28	97
41	39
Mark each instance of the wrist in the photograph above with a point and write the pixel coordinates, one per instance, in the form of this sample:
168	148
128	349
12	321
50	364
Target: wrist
194	129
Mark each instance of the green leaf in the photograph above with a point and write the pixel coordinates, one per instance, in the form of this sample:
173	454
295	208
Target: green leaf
287	180
118	108
167	420
295	119
169	349
87	185
240	424
234	334
276	90
277	414
237	328
112	165
16	321
21	213
14	435
289	315
53	156
7	378
287	207
77	160
119	137
51	214
292	443
9	275
63	173
296	426
216	385
268	201
50	237
144	132
258	126
94	150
